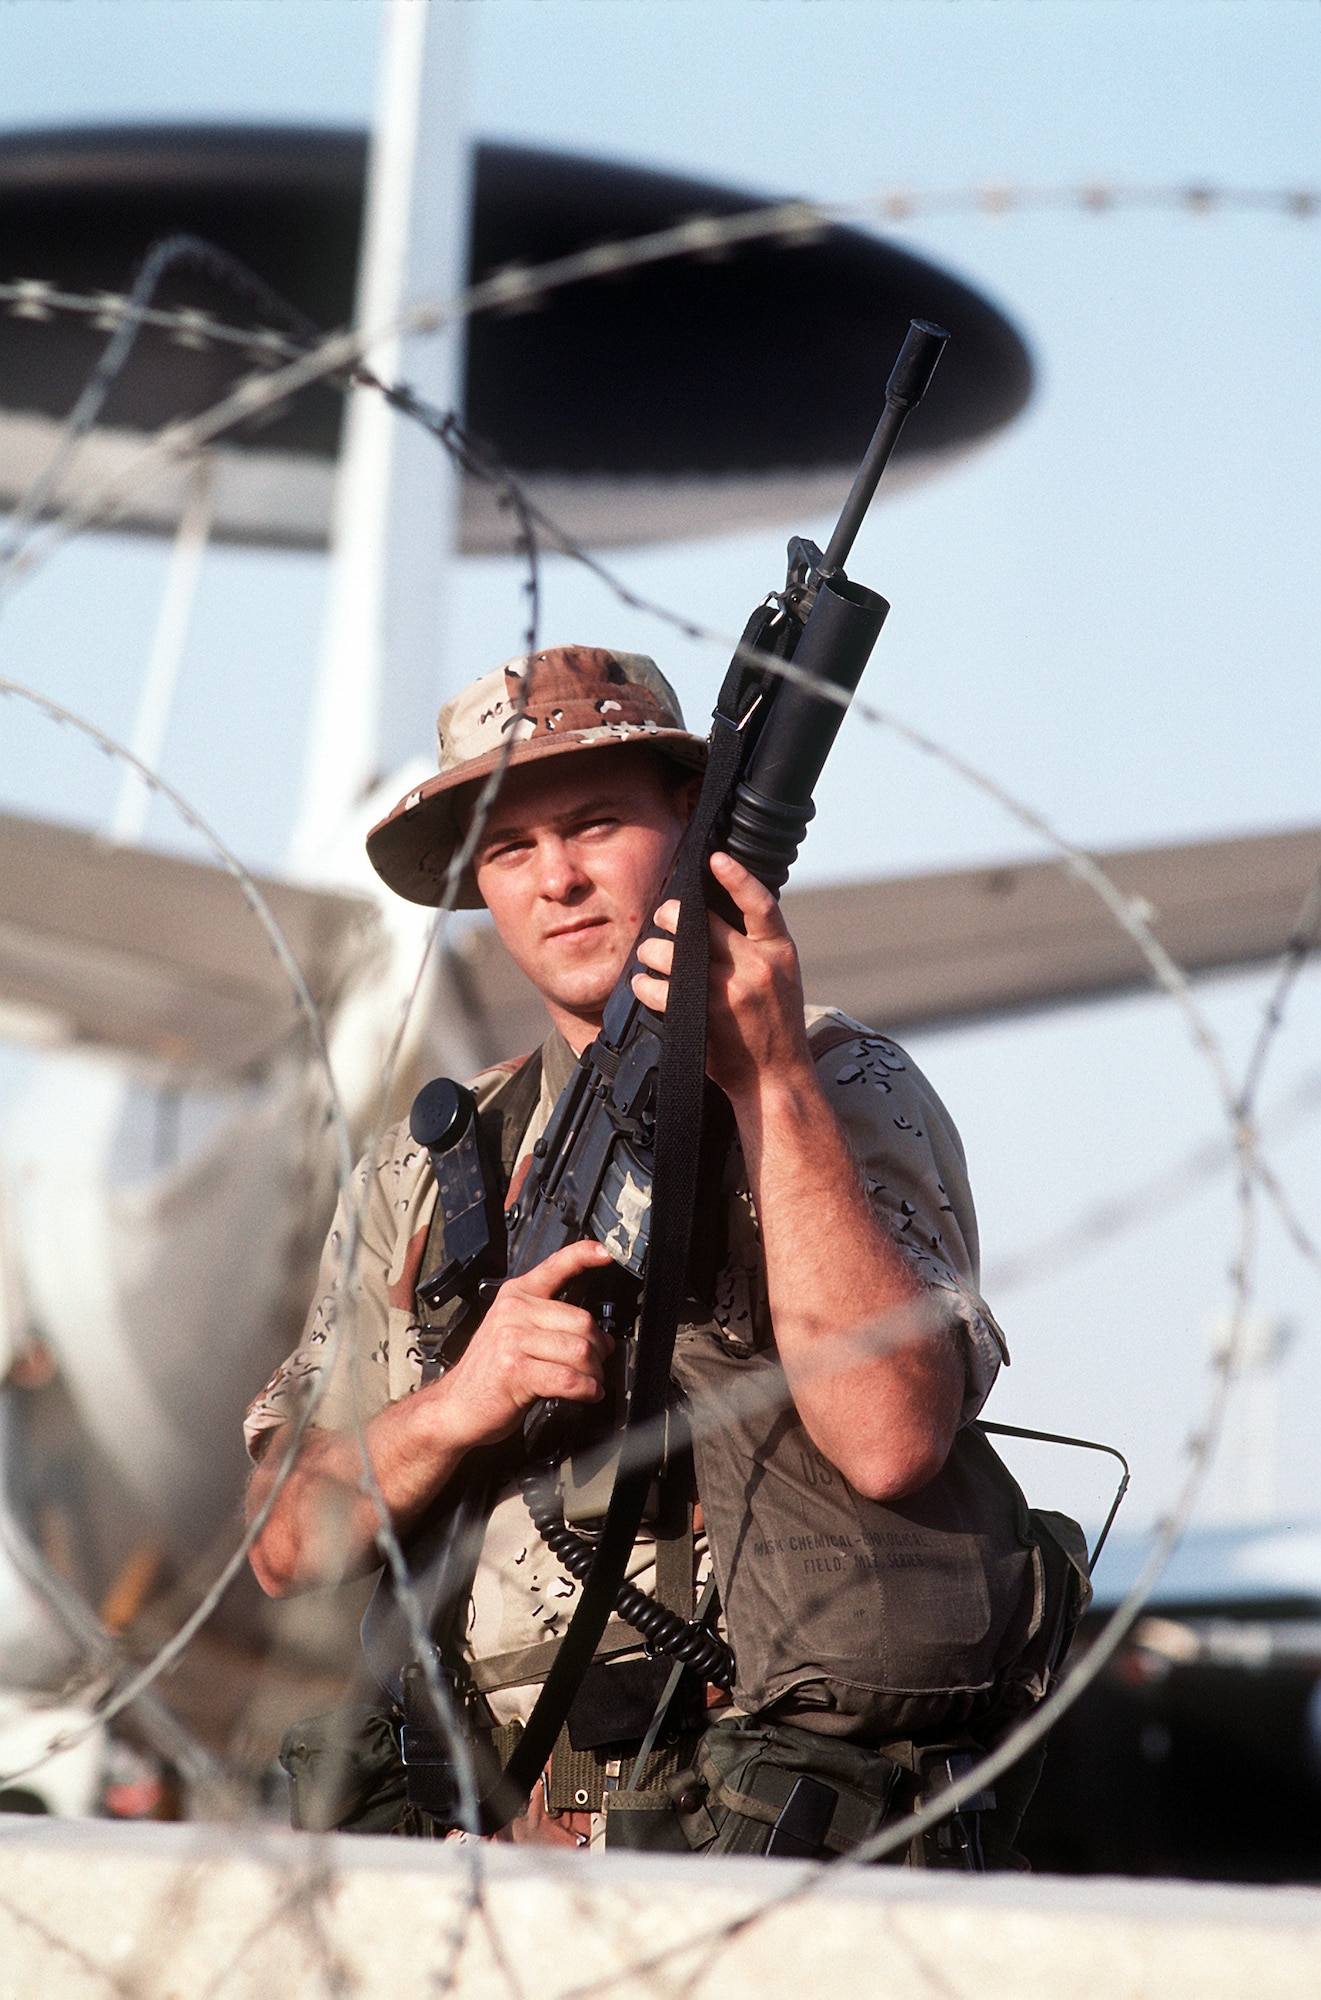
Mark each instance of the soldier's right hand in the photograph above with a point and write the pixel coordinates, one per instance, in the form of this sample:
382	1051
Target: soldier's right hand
531	1345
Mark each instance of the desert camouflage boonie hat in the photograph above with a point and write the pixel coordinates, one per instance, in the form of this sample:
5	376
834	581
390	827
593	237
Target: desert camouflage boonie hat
565	698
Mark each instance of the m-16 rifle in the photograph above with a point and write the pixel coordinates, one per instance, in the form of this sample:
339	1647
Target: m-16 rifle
618	1161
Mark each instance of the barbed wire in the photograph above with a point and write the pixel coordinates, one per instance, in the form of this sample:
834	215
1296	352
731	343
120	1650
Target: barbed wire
1301	944
82	417
124	317
101	1651
798	220
116	312
1130	911
1132	914
352	1180
220	263
1105	1221
1084	1670
518	286
396	1561
140	1680
447	428
1200	1446
1132	919
790	221
1237	1107
1092	197
132	1689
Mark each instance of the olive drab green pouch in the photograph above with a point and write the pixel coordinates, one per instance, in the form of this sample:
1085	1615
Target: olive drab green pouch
852	1617
767	1788
345	1773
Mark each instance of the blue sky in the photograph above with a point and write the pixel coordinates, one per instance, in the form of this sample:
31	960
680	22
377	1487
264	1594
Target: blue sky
1113	609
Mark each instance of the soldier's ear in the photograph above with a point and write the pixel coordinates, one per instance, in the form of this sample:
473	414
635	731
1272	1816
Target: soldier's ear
685	799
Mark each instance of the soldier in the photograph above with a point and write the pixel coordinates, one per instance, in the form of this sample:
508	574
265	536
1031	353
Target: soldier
883	1598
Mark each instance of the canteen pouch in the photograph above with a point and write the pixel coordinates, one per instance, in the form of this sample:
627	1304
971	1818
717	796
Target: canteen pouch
345	1773
767	1788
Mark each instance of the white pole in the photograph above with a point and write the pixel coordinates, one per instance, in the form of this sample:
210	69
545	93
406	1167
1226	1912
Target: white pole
381	670
166	657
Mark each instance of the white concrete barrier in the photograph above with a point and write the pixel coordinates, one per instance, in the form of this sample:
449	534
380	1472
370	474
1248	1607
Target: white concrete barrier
89	1909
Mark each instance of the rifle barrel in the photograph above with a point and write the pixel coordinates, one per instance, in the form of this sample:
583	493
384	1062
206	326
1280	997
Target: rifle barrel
923	346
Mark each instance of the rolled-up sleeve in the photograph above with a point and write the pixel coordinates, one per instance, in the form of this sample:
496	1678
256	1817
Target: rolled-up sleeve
344	1349
359	1349
912	1161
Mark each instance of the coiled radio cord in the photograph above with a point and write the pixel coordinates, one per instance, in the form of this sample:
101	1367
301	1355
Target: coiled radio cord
664	1631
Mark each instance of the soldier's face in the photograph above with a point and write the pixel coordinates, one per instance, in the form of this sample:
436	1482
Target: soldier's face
572	860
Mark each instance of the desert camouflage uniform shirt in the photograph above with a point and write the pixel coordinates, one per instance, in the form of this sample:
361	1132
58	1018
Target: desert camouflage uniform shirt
361	1334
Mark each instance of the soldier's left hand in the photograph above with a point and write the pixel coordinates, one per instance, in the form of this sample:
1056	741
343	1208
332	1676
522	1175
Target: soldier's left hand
755	1005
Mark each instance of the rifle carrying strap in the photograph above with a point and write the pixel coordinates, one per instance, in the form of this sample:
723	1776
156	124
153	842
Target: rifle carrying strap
505	1118
680	1089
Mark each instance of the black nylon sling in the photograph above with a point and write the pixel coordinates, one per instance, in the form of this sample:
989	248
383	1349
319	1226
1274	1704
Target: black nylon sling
680	1087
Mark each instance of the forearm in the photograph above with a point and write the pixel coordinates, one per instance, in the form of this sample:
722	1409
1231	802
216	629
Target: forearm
877	1382
324	1524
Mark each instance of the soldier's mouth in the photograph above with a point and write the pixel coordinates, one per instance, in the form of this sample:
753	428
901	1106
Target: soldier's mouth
579	929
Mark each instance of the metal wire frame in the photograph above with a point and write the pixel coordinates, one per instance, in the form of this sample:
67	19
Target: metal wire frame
39	298
1078	1444
947	1803
333	357
158	261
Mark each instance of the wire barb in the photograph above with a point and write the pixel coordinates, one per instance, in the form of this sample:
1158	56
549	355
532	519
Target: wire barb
300	357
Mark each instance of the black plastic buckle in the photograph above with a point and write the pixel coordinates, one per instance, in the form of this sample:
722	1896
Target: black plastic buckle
961	1834
431	1780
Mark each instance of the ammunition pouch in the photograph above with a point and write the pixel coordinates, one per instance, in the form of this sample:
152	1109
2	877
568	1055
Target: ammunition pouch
345	1772
768	1788
754	1787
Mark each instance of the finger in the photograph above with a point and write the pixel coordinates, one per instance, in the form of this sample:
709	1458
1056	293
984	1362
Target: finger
658	955
566	1350
547	1278
652	992
545	1380
527	1321
667	916
763	919
531	1321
